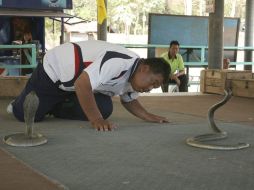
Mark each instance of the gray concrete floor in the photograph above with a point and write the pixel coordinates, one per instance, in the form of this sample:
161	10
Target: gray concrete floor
142	155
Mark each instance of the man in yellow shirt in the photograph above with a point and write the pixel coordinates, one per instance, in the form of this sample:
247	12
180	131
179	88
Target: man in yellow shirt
175	60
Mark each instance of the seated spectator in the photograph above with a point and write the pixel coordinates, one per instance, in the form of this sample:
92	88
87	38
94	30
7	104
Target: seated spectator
27	39
226	63
175	60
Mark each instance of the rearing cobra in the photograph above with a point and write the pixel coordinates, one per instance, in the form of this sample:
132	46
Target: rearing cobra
29	138
200	141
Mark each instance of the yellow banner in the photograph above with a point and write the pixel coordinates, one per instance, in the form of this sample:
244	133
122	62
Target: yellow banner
101	10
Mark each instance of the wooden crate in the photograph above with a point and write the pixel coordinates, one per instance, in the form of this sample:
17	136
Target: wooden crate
215	81
243	87
11	86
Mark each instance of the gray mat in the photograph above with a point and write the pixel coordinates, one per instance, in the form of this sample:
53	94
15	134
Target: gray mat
137	156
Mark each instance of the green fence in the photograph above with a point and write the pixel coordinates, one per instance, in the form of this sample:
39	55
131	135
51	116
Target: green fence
31	58
202	62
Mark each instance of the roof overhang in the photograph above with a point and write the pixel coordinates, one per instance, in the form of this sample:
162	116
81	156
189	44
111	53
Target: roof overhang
31	13
71	20
55	15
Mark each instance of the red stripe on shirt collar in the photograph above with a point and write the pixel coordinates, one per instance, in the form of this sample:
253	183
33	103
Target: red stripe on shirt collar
76	54
87	63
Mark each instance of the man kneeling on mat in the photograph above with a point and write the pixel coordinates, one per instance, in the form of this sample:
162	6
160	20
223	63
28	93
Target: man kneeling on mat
76	81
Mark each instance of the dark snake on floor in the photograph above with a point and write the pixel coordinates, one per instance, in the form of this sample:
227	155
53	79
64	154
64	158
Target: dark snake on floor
200	141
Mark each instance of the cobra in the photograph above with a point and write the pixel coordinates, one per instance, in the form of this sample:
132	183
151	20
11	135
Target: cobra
29	138
200	141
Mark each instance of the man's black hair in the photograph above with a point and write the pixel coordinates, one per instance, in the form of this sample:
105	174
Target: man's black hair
159	66
174	42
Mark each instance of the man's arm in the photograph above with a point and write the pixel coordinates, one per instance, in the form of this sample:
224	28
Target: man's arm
181	67
88	104
181	72
135	108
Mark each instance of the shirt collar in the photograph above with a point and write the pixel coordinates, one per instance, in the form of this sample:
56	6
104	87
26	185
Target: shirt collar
169	56
135	66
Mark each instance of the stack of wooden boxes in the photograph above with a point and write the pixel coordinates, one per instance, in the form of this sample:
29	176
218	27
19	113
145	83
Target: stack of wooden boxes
215	81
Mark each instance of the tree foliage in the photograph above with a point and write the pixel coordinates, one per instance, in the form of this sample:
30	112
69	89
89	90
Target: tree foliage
131	16
85	8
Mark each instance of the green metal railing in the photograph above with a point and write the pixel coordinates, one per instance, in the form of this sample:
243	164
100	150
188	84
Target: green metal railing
31	58
201	63
203	49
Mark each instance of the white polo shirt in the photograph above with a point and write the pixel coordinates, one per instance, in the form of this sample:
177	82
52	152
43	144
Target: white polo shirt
109	67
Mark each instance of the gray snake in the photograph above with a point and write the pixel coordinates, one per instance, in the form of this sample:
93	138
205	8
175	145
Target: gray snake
29	138
200	141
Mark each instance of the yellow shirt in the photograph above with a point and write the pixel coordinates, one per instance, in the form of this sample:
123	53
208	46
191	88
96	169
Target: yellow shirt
176	64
